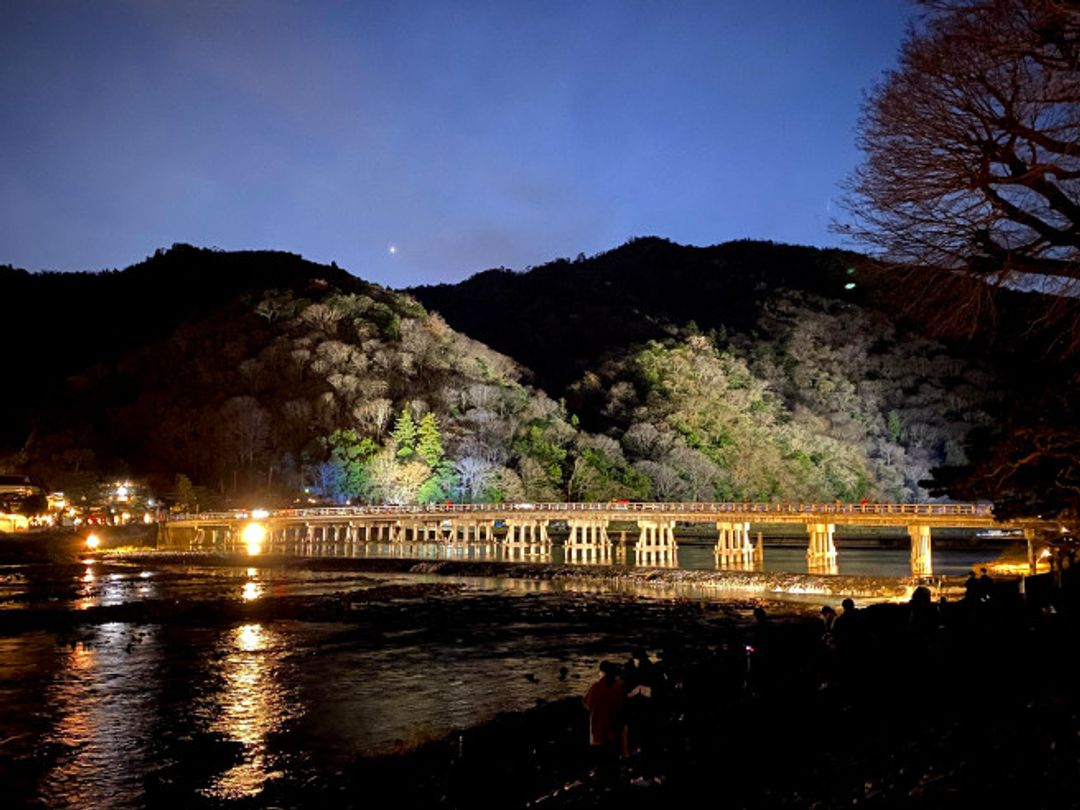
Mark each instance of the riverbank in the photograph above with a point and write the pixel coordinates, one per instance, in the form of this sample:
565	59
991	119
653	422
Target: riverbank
975	708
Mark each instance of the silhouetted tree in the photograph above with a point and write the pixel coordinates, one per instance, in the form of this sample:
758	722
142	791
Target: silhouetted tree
973	154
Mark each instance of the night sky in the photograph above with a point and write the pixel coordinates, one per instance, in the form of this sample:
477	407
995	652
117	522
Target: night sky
422	142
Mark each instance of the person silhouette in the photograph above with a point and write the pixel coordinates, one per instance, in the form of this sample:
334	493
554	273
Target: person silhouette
986	586
760	653
971	588
606	702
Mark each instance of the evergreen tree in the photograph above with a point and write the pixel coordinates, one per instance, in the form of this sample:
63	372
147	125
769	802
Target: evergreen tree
429	442
185	493
350	456
404	435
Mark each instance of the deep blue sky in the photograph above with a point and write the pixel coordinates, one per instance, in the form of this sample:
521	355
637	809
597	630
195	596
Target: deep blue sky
466	134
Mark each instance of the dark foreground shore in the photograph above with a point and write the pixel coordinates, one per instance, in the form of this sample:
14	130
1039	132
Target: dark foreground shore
975	707
964	704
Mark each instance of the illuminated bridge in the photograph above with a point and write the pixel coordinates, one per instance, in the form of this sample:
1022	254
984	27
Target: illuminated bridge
590	532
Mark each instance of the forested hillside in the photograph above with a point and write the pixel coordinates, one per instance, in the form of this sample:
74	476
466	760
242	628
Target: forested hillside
745	371
560	318
299	377
755	370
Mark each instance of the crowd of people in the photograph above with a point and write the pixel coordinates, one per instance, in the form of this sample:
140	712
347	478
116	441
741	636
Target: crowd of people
640	710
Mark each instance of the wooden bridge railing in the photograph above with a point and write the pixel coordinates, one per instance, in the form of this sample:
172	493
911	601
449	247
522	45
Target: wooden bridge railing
984	510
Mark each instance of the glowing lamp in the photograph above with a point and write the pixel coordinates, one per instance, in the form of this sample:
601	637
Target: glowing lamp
253	536
92	541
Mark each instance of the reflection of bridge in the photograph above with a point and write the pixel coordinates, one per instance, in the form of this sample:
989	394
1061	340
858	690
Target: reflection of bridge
595	532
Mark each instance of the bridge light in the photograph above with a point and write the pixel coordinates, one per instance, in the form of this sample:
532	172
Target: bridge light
253	536
92	541
260	514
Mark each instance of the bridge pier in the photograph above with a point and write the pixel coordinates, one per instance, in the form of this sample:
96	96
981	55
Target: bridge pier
587	542
656	543
733	547
822	551
921	553
526	539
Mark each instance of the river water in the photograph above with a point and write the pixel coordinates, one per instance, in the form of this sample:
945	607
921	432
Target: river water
120	714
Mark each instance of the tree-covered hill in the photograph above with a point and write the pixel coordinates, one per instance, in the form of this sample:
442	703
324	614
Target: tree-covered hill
260	373
57	324
744	371
562	318
786	370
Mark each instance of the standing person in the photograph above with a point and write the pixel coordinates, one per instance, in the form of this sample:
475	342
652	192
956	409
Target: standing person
606	701
971	588
640	678
827	648
986	586
846	627
828	621
761	651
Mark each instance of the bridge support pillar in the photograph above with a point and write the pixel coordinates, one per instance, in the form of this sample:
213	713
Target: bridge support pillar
656	543
527	539
822	550
921	554
733	546
587	542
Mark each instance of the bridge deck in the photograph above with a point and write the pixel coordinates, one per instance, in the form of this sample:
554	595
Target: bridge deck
956	515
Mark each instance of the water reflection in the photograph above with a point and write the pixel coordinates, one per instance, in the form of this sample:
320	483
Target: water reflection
254	701
829	566
738	565
251	591
101	704
105	590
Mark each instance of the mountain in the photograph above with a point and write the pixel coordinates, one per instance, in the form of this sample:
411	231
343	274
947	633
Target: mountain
744	371
792	370
565	317
261	374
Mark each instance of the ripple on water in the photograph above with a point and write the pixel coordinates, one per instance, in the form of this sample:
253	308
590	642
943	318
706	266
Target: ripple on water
103	710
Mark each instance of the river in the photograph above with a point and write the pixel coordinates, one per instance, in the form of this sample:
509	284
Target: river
118	714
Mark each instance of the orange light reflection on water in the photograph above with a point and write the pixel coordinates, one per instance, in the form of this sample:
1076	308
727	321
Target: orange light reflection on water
251	591
101	712
253	703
